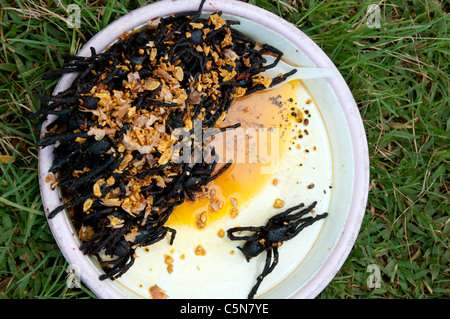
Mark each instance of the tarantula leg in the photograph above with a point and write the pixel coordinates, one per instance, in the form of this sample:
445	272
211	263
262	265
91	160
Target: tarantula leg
283	215
172	232
238	229
120	267
223	169
66	205
303	223
301	213
268	268
160	235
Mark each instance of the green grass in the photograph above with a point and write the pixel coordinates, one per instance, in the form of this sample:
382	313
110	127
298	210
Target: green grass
398	74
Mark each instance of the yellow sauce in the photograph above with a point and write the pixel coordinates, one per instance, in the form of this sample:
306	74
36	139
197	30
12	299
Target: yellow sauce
242	181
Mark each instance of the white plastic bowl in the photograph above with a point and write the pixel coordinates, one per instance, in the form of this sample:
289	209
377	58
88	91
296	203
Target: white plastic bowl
340	116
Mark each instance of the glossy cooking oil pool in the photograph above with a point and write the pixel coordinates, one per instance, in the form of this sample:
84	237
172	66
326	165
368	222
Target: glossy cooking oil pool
203	262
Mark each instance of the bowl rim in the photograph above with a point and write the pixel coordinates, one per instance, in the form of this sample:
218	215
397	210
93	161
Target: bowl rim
61	226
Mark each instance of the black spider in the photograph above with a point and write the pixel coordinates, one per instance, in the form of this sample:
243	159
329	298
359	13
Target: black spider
279	228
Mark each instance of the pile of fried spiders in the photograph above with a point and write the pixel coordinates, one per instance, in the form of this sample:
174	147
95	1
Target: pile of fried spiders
112	134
